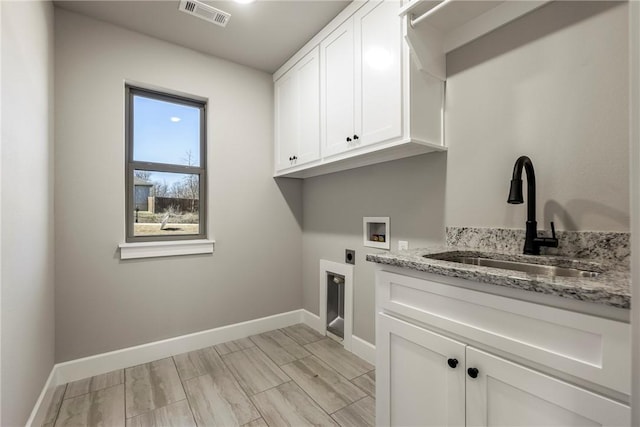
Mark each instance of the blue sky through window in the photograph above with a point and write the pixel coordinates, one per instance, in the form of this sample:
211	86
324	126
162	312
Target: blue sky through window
164	132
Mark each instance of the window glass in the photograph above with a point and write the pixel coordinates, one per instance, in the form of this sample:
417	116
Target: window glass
165	167
166	203
165	132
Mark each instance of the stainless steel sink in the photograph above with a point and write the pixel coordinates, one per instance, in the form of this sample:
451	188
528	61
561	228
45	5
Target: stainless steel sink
547	270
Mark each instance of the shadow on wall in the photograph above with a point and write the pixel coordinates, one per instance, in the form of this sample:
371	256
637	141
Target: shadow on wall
410	191
290	189
554	211
554	17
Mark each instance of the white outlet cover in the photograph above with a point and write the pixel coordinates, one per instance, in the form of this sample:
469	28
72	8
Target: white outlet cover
403	245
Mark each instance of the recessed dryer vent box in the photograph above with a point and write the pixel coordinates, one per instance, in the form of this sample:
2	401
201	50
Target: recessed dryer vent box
376	232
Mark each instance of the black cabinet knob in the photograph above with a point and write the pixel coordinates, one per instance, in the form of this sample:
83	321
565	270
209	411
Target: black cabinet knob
473	372
355	137
348	139
452	363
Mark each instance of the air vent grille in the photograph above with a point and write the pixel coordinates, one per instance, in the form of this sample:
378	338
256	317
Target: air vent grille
204	11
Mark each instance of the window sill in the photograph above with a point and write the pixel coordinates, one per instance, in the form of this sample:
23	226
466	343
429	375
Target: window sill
160	249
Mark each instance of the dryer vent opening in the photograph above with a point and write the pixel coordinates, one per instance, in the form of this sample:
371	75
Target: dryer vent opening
335	304
336	301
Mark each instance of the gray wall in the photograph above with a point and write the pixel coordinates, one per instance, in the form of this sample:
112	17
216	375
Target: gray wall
27	279
409	191
552	85
103	303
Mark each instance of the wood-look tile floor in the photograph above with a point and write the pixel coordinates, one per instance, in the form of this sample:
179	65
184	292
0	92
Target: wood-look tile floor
287	377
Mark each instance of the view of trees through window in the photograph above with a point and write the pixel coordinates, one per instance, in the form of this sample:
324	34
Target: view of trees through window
166	203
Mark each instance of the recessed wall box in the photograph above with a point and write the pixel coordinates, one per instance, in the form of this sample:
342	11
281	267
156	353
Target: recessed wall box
376	232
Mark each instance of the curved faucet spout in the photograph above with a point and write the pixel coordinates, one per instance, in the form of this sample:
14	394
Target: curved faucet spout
515	193
532	243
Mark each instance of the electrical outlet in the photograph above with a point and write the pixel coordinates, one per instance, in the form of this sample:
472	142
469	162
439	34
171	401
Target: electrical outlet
350	256
403	245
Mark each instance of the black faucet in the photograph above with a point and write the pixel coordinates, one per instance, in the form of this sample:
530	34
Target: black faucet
532	242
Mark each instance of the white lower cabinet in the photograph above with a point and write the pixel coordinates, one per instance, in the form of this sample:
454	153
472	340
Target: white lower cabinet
508	394
419	376
426	378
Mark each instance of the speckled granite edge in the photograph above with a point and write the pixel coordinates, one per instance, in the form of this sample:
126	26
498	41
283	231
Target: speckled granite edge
611	287
598	245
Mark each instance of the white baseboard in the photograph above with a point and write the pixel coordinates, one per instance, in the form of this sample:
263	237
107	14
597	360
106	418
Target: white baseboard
118	359
313	321
39	412
363	349
106	362
359	347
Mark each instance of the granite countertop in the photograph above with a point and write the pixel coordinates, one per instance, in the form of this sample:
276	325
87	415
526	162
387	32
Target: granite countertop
611	287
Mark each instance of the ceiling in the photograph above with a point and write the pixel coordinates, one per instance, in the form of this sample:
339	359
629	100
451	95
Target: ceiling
261	35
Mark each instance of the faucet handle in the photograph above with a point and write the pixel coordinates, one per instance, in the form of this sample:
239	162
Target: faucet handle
550	242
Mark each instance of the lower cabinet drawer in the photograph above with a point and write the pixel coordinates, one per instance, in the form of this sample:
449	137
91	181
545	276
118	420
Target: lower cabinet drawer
588	347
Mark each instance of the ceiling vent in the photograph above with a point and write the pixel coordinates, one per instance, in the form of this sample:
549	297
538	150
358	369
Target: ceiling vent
204	11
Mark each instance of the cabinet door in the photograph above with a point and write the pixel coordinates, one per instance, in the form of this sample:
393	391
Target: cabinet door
337	53
308	71
297	113
378	91
415	385
507	394
287	119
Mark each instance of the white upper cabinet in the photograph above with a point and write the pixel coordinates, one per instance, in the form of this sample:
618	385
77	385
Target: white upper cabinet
378	38
337	93
362	80
382	67
286	126
374	104
297	113
309	108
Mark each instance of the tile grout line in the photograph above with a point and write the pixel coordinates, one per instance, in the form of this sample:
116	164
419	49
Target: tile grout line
124	394
327	363
337	373
299	343
309	396
94	391
88	393
264	391
125	388
238	380
55	418
350	404
250	397
186	396
322	361
274	362
124	374
361	388
234	351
